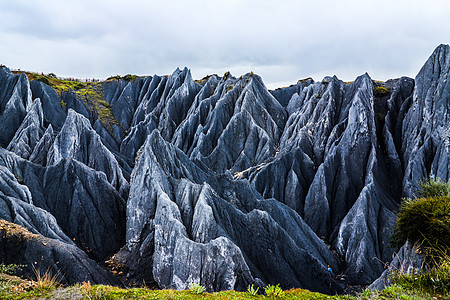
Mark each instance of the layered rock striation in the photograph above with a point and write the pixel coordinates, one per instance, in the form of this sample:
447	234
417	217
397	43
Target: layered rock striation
218	182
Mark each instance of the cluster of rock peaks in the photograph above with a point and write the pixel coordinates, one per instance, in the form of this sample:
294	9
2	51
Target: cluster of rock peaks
218	182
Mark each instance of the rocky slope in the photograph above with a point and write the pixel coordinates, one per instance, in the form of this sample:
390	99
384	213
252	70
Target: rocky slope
218	182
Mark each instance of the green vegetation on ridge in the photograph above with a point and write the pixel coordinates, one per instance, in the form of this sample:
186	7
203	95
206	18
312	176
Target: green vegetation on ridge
90	93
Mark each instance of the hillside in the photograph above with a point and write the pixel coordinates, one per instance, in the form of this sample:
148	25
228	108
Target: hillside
166	181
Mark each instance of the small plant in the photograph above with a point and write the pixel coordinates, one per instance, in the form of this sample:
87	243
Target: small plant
86	289
229	87
63	104
11	269
380	91
274	291
251	290
46	280
196	288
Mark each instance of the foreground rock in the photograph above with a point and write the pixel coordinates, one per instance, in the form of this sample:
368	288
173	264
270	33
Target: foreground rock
40	254
185	224
407	261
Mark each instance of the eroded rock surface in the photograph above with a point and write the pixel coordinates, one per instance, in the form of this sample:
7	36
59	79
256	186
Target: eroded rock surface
220	181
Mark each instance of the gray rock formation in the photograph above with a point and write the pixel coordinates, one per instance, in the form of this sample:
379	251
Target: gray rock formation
40	254
29	133
426	150
15	99
406	261
221	182
221	227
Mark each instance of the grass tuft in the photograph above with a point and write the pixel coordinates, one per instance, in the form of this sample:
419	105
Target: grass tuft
196	288
274	291
251	290
45	279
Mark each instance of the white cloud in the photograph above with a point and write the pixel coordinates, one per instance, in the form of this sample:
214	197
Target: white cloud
282	41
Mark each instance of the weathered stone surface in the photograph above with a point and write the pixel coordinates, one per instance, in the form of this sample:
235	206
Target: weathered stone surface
40	151
284	95
319	169
426	151
86	207
180	224
406	261
77	140
41	254
53	112
29	133
15	99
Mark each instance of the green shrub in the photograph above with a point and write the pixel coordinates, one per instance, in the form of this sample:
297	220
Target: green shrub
129	77
196	288
381	91
11	269
425	221
274	291
78	86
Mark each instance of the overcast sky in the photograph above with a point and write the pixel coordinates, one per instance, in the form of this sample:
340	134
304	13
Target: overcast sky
282	41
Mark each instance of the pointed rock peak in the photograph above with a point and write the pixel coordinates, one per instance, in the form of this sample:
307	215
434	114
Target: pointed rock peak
36	109
186	70
327	79
363	79
176	73
155	139
22	76
49	131
227	76
438	62
5	70
74	118
442	49
187	76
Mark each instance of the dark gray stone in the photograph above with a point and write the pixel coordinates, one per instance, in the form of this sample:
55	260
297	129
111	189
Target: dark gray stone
15	101
407	261
41	254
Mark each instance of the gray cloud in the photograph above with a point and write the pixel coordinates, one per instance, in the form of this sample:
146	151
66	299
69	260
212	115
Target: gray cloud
282	41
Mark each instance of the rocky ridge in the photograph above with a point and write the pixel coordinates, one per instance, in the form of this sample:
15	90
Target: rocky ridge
218	182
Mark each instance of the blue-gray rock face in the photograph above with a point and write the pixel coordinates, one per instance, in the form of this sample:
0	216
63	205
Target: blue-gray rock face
220	182
406	261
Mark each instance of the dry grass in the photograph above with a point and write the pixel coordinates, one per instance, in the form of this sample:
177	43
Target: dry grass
45	279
